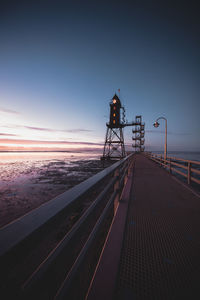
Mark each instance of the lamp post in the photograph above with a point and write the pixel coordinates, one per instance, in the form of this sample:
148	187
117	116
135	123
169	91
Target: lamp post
156	124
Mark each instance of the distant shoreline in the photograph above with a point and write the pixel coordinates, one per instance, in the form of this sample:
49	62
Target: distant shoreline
81	151
48	151
15	151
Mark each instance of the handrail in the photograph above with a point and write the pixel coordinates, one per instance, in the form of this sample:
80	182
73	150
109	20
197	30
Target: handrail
40	271
67	283
17	231
178	158
93	220
173	161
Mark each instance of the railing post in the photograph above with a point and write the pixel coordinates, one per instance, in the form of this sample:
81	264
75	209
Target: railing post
116	188
189	173
170	170
166	162
129	168
127	173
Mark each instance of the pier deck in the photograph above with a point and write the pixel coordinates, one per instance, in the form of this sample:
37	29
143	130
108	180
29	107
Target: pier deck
159	255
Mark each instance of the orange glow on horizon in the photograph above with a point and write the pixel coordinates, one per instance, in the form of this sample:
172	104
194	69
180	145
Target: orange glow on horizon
33	145
19	134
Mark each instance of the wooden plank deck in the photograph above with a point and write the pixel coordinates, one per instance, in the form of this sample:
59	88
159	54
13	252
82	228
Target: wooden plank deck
160	254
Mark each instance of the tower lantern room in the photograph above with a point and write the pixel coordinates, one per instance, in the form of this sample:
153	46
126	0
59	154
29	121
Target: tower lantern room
115	106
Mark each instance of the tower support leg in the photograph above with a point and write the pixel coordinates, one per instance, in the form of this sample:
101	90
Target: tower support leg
114	144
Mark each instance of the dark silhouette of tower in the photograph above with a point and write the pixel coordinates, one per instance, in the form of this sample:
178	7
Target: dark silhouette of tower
114	141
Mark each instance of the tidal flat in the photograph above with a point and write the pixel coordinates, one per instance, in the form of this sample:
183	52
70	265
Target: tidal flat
27	184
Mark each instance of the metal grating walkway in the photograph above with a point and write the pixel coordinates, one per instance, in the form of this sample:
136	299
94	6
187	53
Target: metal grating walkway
160	257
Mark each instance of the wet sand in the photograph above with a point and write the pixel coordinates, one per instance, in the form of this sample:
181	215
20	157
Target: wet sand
36	185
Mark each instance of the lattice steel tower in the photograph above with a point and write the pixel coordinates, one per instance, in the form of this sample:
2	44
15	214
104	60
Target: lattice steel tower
138	134
114	141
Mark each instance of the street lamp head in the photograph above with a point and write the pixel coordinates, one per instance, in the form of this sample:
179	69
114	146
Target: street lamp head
156	124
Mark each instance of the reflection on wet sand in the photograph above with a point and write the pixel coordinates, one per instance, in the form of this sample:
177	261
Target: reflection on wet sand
26	184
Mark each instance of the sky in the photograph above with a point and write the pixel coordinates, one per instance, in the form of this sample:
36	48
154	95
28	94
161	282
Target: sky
62	61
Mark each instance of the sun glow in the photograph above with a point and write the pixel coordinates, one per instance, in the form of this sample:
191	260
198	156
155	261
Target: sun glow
17	137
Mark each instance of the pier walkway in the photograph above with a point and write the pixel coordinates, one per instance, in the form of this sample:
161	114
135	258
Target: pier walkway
153	247
136	237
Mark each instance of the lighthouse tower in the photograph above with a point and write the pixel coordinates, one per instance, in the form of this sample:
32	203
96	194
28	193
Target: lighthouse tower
114	141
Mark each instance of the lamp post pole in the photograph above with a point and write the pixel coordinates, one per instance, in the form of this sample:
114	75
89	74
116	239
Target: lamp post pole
156	124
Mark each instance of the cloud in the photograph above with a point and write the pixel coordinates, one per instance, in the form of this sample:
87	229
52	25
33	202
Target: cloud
74	130
154	131
39	142
39	128
169	132
10	111
7	134
77	130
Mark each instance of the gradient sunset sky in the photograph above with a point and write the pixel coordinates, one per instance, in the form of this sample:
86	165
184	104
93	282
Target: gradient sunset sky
62	61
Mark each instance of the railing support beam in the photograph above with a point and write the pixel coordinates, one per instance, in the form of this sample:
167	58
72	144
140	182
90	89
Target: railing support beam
116	189
189	173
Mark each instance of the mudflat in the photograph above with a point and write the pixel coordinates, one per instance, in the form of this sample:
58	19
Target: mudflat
25	188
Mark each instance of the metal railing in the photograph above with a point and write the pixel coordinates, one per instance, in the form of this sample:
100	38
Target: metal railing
189	169
17	235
